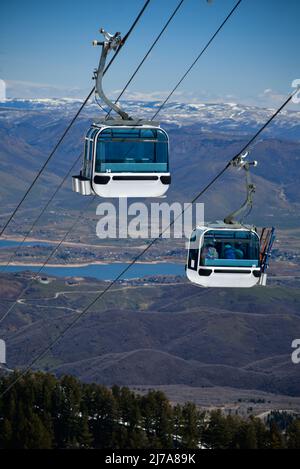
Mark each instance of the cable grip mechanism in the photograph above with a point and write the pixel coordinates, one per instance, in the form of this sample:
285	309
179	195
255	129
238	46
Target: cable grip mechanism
240	163
111	42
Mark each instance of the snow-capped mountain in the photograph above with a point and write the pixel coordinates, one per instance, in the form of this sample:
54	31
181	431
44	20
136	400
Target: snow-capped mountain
216	117
202	138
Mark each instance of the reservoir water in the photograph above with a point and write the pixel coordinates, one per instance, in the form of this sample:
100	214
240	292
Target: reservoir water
99	271
103	271
7	243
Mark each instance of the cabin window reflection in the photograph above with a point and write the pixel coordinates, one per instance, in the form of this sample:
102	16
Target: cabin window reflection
230	248
132	150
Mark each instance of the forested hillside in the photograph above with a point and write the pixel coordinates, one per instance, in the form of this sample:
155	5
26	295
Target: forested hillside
41	411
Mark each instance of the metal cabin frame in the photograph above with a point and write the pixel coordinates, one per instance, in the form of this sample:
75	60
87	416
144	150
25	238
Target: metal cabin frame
118	184
122	184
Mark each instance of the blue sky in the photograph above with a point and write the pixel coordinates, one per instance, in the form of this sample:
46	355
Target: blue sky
46	51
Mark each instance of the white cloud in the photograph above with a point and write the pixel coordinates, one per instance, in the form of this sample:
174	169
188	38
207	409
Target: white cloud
179	96
27	89
144	95
272	98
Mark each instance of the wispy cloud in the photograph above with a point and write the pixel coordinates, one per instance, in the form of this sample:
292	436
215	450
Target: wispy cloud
144	95
27	89
272	98
266	98
179	96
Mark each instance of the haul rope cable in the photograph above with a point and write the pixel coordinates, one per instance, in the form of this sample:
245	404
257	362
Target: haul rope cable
112	283
147	54
72	121
57	246
197	58
185	74
129	81
25	237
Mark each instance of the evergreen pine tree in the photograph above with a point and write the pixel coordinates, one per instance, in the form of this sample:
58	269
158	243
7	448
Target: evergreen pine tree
217	434
157	419
190	429
276	440
177	426
293	435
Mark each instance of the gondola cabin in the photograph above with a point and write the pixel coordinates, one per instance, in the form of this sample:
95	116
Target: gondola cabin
223	255
124	160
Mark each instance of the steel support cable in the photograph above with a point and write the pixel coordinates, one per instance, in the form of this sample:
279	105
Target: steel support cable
155	42
197	58
25	237
113	282
193	201
54	250
133	75
147	53
72	121
127	84
191	66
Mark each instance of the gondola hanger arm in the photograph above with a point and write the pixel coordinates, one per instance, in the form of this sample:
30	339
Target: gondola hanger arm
240	163
111	42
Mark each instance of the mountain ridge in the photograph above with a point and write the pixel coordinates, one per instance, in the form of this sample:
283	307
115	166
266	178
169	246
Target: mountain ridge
215	116
198	151
137	337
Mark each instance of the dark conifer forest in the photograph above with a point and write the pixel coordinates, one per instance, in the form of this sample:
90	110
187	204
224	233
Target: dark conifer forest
42	412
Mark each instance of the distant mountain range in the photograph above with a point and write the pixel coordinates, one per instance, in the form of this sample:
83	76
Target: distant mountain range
221	117
158	334
203	137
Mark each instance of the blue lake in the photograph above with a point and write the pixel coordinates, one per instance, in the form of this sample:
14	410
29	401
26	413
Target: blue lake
105	271
101	272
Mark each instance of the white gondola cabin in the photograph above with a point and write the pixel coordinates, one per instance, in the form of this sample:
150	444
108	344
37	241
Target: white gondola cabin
124	160
123	157
223	255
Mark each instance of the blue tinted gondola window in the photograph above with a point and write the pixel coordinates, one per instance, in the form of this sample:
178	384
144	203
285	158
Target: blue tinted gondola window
230	248
132	150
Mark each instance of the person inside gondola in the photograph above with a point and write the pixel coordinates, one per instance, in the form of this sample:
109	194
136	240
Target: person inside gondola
229	252
239	253
209	252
